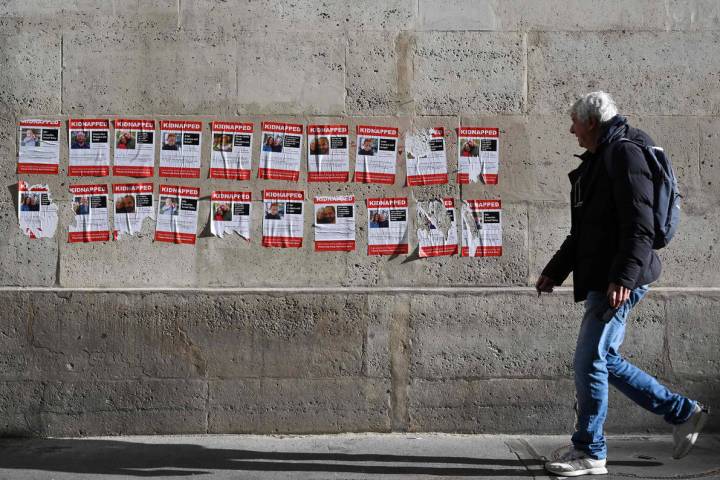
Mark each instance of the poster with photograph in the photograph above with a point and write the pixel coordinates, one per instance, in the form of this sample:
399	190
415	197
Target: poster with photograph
177	214
38	146
37	214
387	226
230	212
481	228
281	151
335	224
478	157
437	230
283	218
134	142
133	204
426	160
90	205
328	154
180	152
89	144
231	155
376	159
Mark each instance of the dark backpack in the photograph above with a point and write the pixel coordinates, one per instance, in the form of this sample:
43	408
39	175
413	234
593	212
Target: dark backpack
666	194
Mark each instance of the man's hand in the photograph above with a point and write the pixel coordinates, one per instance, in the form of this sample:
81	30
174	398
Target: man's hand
544	284
617	295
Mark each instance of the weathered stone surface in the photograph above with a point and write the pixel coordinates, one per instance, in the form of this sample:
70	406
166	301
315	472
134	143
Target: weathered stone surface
549	226
692	336
469	72
299	405
694	15
652	73
708	163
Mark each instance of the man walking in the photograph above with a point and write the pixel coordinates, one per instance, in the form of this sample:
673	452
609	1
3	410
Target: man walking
609	250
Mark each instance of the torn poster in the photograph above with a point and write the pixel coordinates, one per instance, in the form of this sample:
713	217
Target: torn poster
426	160
90	205
478	159
328	155
133	204
231	155
134	148
281	151
39	147
230	212
180	148
89	147
387	226
481	228
376	159
177	214
335	224
37	214
437	230
283	218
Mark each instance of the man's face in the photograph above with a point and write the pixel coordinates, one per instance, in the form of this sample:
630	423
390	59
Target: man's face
80	137
586	132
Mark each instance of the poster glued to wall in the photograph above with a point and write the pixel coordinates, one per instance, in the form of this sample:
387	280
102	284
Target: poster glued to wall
283	218
481	228
231	155
90	206
437	229
37	214
388	226
335	224
133	204
328	154
478	157
89	144
281	151
376	159
180	148
134	142
230	212
177	214
426	160
38	147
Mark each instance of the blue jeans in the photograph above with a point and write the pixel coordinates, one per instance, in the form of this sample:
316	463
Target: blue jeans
598	362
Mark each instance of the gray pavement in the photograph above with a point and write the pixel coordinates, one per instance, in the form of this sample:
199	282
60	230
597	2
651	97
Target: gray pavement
346	456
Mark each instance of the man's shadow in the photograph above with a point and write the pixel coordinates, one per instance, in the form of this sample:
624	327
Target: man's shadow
109	457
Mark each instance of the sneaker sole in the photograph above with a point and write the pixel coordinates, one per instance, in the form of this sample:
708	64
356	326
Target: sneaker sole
577	473
687	446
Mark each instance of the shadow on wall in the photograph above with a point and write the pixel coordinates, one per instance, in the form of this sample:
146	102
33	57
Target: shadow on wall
109	457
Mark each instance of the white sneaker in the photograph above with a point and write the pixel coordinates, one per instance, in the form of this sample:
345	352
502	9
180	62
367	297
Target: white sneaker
685	435
569	462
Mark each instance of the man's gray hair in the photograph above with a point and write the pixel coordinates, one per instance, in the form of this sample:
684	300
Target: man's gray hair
597	105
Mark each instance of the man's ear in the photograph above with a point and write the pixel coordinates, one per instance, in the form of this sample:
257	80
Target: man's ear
593	123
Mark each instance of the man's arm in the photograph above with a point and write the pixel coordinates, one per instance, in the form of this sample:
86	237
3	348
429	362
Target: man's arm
561	264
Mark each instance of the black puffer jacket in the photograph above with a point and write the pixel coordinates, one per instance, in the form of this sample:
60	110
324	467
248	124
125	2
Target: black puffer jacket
612	228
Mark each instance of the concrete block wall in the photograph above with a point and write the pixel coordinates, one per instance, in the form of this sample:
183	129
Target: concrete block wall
227	336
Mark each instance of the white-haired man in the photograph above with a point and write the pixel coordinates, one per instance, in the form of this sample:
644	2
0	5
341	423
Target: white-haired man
609	250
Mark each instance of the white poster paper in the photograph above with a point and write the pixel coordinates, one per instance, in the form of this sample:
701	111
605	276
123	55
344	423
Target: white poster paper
89	144
481	228
376	160
37	213
134	148
230	212
387	226
426	160
177	214
283	218
180	142
478	157
437	230
133	204
38	146
281	151
231	155
328	154
90	205
335	224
